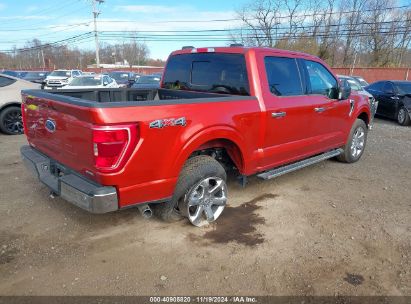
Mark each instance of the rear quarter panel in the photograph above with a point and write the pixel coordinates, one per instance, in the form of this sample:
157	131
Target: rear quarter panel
161	152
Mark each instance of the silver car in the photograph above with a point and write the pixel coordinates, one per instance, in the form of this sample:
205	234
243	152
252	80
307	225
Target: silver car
356	86
10	103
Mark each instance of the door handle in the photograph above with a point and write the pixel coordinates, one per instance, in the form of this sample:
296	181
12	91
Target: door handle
394	97
278	114
319	110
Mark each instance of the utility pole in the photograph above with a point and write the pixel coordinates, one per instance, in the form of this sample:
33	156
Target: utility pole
96	13
42	58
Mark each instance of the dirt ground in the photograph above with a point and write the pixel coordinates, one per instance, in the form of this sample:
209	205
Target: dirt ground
330	229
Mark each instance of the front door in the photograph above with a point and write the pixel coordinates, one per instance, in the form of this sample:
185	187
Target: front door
329	114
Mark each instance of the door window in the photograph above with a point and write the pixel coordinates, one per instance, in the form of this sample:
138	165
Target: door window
5	81
376	86
321	81
388	88
283	76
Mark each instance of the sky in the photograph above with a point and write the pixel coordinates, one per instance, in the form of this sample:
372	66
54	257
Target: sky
49	21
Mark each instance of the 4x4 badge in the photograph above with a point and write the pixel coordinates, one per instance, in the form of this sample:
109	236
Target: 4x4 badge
169	122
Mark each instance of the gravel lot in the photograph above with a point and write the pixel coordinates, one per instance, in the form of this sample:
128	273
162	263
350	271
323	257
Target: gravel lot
330	229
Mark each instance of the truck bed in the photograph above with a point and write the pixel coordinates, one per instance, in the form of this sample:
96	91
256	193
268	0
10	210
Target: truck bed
100	98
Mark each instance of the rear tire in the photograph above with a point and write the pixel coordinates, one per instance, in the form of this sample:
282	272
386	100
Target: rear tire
10	121
355	146
195	169
403	117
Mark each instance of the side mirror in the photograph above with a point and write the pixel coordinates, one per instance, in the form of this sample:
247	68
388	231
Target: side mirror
105	83
344	91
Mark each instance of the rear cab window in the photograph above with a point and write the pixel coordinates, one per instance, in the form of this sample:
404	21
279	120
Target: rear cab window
208	72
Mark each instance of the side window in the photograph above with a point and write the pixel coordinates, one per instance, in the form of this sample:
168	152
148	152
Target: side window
376	86
5	81
283	76
388	88
321	80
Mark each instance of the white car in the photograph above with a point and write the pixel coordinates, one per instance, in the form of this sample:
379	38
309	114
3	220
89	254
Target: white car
60	78
10	103
92	82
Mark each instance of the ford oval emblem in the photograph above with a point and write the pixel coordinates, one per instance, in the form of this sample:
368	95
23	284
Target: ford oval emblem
50	125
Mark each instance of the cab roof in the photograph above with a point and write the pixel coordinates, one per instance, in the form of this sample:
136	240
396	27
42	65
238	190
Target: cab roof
243	50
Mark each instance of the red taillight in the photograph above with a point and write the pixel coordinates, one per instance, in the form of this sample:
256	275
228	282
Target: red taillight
23	117
113	145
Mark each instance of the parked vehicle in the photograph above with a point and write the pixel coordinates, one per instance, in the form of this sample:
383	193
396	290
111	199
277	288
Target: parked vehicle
356	86
394	99
123	79
36	77
147	82
17	74
361	80
60	78
10	103
168	149
91	82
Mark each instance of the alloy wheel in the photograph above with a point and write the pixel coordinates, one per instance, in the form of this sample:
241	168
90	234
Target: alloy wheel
206	201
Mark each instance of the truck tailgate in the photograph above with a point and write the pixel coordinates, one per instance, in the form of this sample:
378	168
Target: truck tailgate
61	131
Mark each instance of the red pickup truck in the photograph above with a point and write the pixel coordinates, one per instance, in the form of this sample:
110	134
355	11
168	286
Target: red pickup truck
253	110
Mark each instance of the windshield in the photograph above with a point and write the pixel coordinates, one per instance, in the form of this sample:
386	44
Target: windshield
148	79
404	88
362	81
119	76
207	72
354	85
60	73
86	81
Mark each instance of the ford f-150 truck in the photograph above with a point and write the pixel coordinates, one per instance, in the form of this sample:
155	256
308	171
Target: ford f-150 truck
257	111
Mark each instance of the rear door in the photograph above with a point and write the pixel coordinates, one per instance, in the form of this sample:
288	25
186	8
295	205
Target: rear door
9	90
388	100
288	135
329	115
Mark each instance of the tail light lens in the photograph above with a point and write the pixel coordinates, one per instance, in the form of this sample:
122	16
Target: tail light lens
113	146
23	117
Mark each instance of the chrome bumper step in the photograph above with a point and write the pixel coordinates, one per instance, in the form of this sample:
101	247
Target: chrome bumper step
300	164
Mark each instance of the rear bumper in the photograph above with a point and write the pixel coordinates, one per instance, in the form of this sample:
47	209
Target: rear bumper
72	187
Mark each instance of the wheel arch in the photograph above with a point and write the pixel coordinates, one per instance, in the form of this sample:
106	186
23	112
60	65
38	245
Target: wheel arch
224	138
364	116
10	104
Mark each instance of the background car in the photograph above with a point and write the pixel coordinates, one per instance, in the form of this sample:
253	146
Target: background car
17	74
91	82
123	79
10	103
60	78
89	73
394	98
361	81
147	82
356	86
36	76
